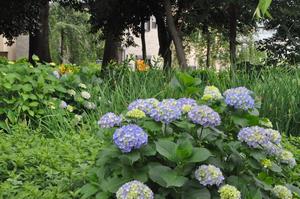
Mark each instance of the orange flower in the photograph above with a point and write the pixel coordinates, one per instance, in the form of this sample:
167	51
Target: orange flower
142	66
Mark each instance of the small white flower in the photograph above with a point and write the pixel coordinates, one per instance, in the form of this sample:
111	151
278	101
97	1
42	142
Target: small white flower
81	85
85	95
90	105
78	118
72	92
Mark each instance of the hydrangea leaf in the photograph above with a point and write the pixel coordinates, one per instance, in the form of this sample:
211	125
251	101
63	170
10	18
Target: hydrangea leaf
199	155
167	149
196	194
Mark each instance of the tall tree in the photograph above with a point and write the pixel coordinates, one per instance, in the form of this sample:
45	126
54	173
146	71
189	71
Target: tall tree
39	38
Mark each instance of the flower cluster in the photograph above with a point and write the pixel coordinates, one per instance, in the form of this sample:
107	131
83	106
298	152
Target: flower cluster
130	137
287	157
229	192
90	105
239	98
269	140
282	192
209	175
186	104
110	120
212	93
166	111
204	116
254	136
134	190
145	105
136	113
63	105
72	92
85	95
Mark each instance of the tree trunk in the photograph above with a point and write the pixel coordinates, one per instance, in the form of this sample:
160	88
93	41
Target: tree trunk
164	41
111	50
143	38
62	41
208	44
39	40
232	33
175	34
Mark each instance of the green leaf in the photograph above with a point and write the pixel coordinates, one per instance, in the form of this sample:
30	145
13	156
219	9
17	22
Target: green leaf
148	150
196	194
167	149
276	168
199	155
33	104
184	150
103	195
27	88
152	126
88	190
257	195
165	176
130	158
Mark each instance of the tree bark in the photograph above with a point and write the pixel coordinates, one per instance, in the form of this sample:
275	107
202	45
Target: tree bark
143	38
208	44
62	41
111	50
39	40
232	33
164	41
175	35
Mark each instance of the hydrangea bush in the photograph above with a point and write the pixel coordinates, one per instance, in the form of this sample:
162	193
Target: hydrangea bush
213	146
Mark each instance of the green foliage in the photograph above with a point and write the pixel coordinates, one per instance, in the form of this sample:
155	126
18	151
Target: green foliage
174	151
25	91
34	166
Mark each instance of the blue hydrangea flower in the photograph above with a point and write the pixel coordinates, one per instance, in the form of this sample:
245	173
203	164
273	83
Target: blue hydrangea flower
134	190
56	74
110	120
272	149
254	136
239	98
166	111
63	105
273	135
186	104
209	175
145	105
130	137
205	116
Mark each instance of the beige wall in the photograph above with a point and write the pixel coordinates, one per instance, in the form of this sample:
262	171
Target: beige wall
18	50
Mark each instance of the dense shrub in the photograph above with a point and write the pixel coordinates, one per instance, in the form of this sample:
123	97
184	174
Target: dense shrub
191	148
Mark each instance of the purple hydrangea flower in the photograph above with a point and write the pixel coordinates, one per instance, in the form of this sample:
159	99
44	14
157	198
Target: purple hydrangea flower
287	157
134	190
63	105
56	74
205	116
130	137
254	136
239	98
110	120
209	175
145	105
166	111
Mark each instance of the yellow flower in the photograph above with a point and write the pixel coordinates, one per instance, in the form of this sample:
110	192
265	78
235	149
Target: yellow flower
266	163
62	69
186	108
136	113
70	108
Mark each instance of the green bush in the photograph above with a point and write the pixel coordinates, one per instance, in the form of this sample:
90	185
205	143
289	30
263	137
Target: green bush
25	91
167	160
